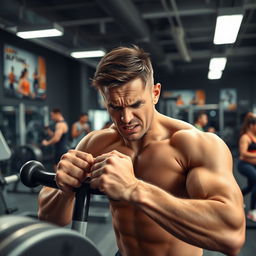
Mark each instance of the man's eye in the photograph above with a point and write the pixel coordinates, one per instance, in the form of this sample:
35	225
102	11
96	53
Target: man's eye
136	105
115	107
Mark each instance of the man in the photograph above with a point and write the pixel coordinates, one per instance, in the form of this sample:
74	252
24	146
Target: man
80	129
59	137
201	121
171	194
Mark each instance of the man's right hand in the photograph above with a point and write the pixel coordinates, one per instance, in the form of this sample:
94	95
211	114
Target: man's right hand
72	170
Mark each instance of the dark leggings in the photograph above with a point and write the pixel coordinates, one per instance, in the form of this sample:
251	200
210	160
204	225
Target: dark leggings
249	171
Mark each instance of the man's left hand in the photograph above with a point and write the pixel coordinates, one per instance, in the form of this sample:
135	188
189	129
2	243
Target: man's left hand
113	174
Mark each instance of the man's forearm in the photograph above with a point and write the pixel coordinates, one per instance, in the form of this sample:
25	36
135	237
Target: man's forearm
203	223
55	206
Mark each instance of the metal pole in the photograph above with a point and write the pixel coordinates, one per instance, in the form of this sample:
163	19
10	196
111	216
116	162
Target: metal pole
221	118
191	114
46	116
21	124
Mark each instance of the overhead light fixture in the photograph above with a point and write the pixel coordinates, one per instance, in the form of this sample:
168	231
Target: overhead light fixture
40	31
214	74
217	63
88	54
227	27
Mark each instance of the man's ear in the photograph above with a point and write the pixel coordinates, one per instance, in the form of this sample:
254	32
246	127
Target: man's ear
156	90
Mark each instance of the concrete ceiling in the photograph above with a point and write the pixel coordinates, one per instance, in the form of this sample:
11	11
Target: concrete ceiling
178	34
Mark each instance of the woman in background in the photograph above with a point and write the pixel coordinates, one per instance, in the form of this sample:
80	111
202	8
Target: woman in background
247	163
24	84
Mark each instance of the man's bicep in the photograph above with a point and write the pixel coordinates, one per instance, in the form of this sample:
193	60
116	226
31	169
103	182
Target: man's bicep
213	177
203	183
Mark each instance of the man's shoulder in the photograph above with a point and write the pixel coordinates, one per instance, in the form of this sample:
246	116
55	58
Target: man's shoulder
194	142
98	141
176	128
195	136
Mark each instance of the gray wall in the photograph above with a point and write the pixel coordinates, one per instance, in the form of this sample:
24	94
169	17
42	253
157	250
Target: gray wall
244	81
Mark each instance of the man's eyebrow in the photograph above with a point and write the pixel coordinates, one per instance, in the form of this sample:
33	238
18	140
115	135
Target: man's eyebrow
138	102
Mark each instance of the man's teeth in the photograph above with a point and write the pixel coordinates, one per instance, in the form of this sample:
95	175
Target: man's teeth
130	127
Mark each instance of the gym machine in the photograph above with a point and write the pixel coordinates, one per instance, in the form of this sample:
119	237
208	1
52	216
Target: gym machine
23	236
5	154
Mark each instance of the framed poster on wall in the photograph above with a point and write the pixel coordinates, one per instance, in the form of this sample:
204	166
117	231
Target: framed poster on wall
24	74
228	97
186	97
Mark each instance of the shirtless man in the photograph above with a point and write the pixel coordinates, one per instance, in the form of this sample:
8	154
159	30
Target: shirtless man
59	137
173	185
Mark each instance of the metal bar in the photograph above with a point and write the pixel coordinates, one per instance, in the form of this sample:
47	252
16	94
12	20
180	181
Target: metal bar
22	124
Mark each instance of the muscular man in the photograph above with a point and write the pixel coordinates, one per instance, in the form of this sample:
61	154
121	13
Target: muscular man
173	188
59	137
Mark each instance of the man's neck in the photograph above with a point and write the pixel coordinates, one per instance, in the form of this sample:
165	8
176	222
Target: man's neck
152	134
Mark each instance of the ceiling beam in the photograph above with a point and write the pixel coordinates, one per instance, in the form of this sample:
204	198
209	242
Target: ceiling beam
205	54
204	39
59	7
151	15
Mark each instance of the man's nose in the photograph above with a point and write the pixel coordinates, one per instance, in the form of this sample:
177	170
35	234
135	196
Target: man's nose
126	116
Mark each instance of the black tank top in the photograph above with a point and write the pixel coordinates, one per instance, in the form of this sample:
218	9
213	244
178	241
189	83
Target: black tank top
61	145
252	145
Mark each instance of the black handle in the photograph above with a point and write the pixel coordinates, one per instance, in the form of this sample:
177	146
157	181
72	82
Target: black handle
33	174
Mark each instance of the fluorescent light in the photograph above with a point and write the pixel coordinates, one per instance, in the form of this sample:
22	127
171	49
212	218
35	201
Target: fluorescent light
227	27
88	54
40	31
218	63
214	74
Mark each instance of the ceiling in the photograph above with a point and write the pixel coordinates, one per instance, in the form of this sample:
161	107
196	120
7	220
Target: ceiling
177	33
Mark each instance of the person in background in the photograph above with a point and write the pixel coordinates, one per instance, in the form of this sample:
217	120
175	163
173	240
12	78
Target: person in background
179	100
36	79
12	80
201	121
80	129
58	137
24	84
211	129
247	160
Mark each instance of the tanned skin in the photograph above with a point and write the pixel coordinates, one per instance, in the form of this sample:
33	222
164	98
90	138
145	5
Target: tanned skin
173	188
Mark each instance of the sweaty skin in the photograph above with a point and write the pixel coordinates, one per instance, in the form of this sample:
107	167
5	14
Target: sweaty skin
173	188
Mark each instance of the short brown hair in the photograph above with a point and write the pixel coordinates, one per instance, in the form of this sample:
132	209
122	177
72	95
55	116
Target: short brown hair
56	111
122	65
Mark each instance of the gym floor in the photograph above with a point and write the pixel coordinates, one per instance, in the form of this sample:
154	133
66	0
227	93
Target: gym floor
101	232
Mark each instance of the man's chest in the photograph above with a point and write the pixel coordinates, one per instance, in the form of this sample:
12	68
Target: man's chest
160	164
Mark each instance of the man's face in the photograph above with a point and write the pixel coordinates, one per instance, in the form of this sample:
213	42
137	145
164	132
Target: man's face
131	107
84	119
53	116
204	120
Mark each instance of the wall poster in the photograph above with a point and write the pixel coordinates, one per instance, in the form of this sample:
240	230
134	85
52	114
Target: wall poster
24	74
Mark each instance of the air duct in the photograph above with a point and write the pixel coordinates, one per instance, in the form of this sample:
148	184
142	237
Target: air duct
128	17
